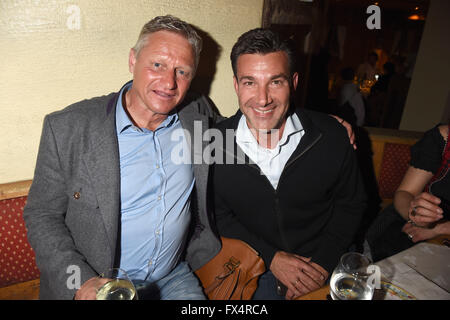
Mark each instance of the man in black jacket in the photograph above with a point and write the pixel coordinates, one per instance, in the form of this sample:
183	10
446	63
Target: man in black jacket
289	184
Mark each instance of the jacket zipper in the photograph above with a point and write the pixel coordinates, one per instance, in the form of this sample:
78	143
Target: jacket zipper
254	166
286	244
297	157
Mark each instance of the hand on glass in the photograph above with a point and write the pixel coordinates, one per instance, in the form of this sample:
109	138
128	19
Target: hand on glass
424	209
299	274
88	290
114	284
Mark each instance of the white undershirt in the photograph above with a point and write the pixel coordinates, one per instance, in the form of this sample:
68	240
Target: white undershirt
271	161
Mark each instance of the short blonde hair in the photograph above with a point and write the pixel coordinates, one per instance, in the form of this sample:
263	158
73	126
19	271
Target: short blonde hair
173	24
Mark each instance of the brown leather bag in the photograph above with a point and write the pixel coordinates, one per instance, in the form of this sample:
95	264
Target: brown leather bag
233	273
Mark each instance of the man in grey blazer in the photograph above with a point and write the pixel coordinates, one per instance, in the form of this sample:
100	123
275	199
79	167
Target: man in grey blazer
107	191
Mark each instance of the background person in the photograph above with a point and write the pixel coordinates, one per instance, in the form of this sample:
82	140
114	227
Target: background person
349	96
368	69
420	201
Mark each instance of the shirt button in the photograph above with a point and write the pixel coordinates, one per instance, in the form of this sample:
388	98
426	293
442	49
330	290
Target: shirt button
157	232
159	197
157	166
150	263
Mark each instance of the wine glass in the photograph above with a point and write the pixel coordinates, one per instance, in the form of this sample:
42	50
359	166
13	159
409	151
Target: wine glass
351	278
118	287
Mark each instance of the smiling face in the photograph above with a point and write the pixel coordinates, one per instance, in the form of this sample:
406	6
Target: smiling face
263	84
162	74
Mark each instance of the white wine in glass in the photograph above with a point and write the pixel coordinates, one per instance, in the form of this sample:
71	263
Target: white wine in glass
119	286
350	279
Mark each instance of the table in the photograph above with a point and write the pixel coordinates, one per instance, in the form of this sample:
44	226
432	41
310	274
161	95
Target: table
320	294
400	270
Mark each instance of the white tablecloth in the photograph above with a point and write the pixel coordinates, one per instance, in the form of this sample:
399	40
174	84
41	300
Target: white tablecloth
431	261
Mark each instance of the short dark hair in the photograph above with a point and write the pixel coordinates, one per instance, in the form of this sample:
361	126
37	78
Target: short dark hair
262	41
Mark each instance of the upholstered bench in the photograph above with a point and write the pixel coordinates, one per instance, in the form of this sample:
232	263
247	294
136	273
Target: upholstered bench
19	276
391	156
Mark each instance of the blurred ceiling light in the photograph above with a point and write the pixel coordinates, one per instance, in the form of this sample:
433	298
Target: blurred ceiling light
416	17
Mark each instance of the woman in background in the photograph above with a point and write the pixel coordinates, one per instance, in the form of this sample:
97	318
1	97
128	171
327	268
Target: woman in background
421	203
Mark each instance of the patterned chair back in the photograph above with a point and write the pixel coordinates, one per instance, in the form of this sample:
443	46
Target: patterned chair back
17	259
395	162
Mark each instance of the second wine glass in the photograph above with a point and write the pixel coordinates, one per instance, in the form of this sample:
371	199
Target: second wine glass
351	278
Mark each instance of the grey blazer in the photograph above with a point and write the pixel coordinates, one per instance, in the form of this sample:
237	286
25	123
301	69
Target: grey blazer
73	209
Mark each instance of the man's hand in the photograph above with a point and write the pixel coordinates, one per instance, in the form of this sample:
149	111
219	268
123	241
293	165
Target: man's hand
88	290
348	127
299	274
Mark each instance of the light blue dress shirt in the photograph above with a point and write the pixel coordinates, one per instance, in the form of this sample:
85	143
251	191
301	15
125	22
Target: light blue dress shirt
155	197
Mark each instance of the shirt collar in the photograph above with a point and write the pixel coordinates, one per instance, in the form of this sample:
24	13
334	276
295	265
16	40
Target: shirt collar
292	126
123	122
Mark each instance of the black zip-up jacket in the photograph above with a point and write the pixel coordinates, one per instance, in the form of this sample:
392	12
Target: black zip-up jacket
318	204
